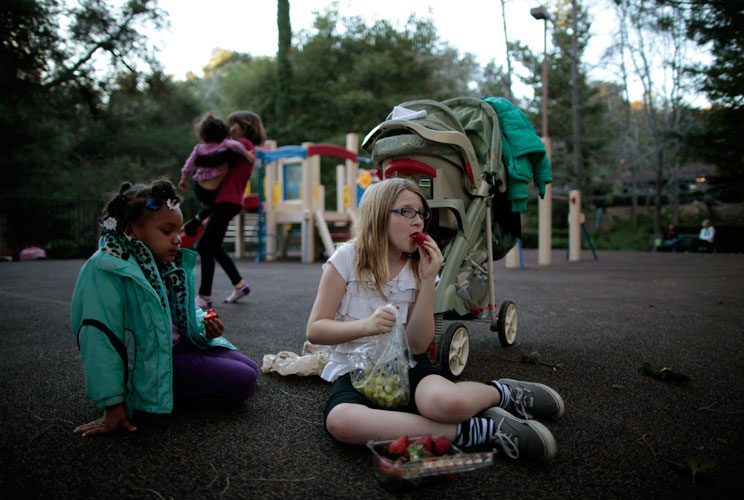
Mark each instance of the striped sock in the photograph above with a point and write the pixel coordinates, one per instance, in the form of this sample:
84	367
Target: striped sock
474	431
505	391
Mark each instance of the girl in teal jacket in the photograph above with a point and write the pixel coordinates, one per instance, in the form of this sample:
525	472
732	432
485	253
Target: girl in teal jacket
143	343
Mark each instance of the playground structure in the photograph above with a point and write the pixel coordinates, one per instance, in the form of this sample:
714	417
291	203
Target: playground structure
290	193
287	172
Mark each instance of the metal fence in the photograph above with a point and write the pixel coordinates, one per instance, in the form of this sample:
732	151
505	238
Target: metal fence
65	229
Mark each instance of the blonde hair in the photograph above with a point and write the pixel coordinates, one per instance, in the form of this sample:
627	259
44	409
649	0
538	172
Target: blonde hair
371	230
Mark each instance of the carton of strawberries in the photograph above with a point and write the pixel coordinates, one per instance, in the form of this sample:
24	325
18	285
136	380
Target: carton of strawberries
407	462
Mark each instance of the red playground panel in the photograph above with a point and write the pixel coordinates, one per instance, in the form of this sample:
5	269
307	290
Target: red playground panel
250	204
186	240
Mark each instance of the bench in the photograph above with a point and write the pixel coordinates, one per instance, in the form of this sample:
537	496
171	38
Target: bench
686	241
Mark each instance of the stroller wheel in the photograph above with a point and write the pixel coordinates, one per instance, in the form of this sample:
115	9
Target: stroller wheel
506	325
453	355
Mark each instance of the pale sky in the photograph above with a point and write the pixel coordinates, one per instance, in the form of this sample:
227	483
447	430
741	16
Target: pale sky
250	27
474	26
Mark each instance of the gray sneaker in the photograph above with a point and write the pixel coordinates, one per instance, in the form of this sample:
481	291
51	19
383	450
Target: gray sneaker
531	400
520	438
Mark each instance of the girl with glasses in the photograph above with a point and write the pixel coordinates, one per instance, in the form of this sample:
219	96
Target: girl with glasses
383	264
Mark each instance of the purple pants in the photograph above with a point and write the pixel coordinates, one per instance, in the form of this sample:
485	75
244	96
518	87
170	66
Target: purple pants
211	378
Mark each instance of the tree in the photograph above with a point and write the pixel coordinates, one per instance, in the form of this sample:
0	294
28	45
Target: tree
53	82
283	64
719	25
656	48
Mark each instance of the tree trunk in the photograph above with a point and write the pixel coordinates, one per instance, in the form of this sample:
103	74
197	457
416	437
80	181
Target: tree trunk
508	56
284	68
575	105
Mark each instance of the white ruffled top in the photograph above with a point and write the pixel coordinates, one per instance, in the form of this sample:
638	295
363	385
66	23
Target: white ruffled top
359	302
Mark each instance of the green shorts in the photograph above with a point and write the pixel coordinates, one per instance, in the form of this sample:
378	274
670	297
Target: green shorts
344	392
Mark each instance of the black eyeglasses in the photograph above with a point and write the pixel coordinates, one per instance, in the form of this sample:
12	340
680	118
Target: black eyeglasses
410	213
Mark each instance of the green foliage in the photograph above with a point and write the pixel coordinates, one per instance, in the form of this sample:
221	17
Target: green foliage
622	235
661	372
693	467
720	25
532	358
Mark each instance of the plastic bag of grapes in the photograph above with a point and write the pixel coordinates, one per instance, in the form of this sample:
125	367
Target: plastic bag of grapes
381	368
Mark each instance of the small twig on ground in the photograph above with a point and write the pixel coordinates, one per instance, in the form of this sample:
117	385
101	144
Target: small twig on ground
509	360
42	431
279	480
295	395
151	491
710	408
643	438
227	485
216	475
306	420
51	419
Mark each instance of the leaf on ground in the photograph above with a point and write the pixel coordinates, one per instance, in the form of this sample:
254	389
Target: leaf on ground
693	466
619	387
532	358
663	373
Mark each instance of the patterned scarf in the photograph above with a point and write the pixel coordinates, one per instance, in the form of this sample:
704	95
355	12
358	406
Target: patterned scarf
162	276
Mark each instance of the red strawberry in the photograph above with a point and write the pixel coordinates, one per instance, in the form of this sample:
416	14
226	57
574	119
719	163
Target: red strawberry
425	442
441	446
419	237
398	447
211	314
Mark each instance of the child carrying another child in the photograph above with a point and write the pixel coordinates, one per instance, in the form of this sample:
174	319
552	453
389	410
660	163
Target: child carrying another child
144	344
213	133
381	265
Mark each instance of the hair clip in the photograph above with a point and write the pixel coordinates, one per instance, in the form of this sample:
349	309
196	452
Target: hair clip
109	224
151	204
172	204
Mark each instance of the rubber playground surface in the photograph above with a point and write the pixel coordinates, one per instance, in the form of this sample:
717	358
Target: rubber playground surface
592	324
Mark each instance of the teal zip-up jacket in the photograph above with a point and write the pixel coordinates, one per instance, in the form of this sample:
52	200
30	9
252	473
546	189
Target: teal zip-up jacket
124	331
522	152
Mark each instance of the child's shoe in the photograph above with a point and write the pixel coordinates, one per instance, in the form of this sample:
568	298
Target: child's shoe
192	226
237	294
532	400
203	303
520	438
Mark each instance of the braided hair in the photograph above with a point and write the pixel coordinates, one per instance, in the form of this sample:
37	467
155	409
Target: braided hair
130	203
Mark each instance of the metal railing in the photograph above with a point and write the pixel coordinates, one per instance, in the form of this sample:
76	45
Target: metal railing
63	228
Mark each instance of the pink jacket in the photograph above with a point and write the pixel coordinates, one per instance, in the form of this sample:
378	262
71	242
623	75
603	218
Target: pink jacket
204	173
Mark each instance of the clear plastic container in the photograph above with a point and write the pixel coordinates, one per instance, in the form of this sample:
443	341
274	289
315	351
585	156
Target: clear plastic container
395	474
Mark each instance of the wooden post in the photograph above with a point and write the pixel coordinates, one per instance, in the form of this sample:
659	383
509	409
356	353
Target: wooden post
307	231
545	219
269	207
574	225
340	180
239	221
511	259
352	144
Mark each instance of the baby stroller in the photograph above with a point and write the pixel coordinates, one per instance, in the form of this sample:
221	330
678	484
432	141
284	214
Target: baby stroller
453	151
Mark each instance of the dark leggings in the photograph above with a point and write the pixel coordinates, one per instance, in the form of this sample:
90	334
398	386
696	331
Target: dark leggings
206	197
210	247
217	377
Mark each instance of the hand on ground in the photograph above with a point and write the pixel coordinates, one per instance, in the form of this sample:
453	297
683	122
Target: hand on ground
114	418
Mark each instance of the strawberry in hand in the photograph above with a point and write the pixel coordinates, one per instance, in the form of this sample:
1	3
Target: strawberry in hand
418	237
211	314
